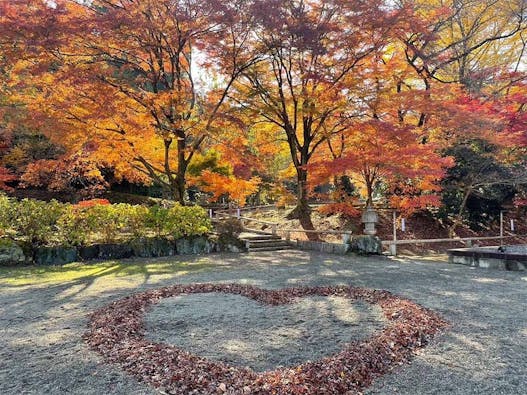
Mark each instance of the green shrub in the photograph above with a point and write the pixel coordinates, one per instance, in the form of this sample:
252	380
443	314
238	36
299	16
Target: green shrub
76	225
107	221
6	213
42	223
135	219
36	221
187	221
156	220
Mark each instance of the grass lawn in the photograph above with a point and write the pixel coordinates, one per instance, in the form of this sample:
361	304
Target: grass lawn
35	275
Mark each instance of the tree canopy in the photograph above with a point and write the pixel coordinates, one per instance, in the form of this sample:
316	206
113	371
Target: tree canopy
255	99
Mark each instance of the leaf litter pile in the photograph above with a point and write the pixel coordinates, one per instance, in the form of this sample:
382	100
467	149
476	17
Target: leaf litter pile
117	332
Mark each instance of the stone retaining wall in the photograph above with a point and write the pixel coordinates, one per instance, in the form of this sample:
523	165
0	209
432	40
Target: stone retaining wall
361	244
330	248
14	253
501	258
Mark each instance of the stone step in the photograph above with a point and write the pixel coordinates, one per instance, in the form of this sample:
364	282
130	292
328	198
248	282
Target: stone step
260	237
267	243
256	232
277	248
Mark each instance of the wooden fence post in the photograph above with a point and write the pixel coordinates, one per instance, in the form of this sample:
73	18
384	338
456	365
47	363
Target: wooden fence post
501	227
393	247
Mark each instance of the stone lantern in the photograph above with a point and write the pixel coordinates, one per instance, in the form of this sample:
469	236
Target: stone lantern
370	218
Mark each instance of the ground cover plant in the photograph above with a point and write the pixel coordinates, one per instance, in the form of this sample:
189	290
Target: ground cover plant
117	332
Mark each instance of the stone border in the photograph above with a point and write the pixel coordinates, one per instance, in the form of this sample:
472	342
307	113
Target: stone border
147	247
321	246
117	332
489	258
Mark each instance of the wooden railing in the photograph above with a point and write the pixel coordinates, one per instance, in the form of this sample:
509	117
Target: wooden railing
346	234
466	240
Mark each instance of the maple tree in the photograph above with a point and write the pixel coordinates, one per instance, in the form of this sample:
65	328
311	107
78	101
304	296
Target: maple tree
5	177
387	145
299	86
486	135
124	78
477	48
463	40
252	98
384	153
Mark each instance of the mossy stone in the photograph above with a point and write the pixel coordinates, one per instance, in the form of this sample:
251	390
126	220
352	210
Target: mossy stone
11	253
54	255
366	245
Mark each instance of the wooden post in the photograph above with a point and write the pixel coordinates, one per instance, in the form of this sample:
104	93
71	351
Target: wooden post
273	227
501	227
393	247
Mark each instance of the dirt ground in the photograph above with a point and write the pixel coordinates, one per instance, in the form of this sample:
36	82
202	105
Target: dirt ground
41	324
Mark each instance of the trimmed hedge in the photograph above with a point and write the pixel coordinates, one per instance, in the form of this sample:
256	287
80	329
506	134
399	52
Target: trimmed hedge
58	224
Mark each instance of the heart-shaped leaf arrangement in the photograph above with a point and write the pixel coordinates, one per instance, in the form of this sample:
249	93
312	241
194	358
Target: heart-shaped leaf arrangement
117	332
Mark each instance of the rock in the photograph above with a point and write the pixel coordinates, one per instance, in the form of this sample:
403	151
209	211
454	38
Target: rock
88	253
194	245
230	243
11	253
54	255
115	251
153	247
366	245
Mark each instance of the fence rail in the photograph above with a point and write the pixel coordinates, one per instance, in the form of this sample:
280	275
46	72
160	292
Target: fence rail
346	234
454	239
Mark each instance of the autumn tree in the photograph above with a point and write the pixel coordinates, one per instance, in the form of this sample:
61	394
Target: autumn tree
487	137
466	41
125	75
477	48
5	177
386	144
299	86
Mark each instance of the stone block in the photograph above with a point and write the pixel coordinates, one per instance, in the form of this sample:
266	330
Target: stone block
115	251
194	245
366	245
11	253
47	256
153	247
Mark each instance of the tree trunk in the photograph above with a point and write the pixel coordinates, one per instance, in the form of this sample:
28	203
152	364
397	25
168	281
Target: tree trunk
458	219
369	191
179	188
302	211
179	183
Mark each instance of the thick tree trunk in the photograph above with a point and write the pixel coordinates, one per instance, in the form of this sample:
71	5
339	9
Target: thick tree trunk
179	182
179	188
302	211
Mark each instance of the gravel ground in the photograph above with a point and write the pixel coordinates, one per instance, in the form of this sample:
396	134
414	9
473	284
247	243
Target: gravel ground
243	332
485	351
